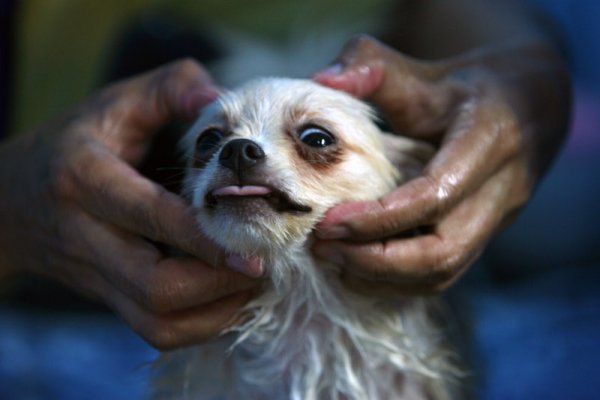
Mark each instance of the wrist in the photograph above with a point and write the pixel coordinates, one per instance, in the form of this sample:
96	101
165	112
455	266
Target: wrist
531	78
18	164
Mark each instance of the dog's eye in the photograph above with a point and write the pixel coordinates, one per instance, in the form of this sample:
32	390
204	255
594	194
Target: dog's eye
208	140
315	136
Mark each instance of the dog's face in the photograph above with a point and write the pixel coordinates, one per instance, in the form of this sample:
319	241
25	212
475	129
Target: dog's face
267	160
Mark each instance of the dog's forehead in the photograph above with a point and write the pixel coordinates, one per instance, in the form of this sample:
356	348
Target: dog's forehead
280	99
265	108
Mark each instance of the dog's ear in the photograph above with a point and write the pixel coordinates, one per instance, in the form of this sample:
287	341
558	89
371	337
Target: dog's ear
408	155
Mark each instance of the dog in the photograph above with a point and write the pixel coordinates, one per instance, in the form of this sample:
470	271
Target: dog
265	162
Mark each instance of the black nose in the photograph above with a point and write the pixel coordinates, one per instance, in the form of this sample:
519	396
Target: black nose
241	154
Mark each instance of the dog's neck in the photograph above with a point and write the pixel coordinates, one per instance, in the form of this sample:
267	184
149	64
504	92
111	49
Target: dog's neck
293	265
307	325
304	149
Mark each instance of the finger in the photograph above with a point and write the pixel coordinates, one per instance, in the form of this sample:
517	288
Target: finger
454	173
130	112
158	284
424	265
163	330
114	192
182	328
170	302
177	89
407	261
412	95
430	260
178	283
412	205
435	260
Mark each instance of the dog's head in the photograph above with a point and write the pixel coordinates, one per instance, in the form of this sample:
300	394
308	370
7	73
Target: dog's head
267	160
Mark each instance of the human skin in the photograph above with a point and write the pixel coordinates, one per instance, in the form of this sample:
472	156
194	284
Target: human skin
74	209
497	116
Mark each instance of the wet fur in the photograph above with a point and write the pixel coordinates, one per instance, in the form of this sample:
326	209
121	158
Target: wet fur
307	337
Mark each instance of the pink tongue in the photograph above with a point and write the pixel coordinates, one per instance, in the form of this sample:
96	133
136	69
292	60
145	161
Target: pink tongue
241	191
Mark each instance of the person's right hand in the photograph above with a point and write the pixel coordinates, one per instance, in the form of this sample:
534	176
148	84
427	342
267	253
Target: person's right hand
497	115
74	208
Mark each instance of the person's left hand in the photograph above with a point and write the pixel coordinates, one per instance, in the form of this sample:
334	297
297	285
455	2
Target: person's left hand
497	115
75	209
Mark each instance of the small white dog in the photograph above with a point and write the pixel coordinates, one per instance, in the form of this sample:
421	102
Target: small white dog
266	162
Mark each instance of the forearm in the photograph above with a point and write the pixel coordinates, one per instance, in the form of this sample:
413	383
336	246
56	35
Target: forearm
535	81
503	39
434	29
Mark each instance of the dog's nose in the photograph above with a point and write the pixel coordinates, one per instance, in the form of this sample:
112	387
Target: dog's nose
241	154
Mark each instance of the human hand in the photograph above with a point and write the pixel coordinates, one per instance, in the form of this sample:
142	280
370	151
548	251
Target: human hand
497	115
74	208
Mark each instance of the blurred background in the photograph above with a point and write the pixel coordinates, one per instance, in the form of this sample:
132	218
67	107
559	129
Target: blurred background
531	304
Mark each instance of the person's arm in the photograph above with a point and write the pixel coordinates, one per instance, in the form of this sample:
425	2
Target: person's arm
438	29
497	110
74	209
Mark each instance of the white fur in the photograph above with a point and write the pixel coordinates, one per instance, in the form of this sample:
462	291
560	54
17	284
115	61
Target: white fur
306	337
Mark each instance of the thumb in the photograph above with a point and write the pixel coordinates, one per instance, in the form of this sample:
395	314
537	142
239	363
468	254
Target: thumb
413	96
149	101
176	90
129	113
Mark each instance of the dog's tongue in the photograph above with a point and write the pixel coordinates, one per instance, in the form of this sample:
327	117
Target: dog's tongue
241	191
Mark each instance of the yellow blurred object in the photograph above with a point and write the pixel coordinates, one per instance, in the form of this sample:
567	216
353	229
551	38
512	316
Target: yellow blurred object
64	46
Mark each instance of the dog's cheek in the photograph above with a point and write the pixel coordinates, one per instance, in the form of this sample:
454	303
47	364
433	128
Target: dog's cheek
360	179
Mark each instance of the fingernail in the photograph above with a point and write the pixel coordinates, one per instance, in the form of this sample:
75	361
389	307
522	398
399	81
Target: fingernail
331	71
251	267
334	69
333	232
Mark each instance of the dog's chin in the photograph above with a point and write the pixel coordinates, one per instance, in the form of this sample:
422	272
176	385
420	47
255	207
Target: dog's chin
256	224
262	203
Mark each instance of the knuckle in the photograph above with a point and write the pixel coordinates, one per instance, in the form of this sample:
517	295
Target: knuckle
440	188
66	168
185	67
513	138
365	43
63	182
155	295
363	46
437	195
385	225
385	268
153	214
149	217
166	81
507	131
443	190
180	73
162	337
452	258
